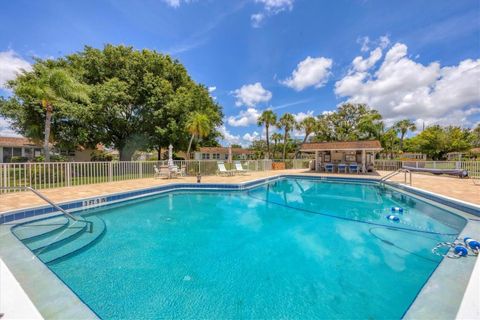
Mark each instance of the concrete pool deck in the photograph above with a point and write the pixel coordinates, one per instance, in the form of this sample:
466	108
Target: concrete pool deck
461	189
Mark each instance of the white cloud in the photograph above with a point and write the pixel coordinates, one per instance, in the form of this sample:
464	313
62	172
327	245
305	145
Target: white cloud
244	118
211	89
6	130
257	19
309	72
175	3
251	94
251	137
361	64
364	41
276	6
302	115
228	137
270	8
10	65
401	87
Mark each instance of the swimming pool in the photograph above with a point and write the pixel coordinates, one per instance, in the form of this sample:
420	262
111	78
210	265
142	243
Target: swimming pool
290	248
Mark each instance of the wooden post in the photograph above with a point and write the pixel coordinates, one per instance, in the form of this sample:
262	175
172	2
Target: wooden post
364	168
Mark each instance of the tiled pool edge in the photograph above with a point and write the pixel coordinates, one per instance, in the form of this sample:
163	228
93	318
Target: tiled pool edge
91	202
78	205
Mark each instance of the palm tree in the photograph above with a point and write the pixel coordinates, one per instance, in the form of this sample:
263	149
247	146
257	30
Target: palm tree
403	126
287	122
276	137
198	125
52	87
267	118
307	125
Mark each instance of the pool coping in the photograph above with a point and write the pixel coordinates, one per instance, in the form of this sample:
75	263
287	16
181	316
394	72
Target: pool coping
14	217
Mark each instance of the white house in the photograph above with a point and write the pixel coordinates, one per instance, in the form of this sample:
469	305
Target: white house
18	147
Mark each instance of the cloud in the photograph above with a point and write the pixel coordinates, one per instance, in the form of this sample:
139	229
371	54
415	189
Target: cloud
364	41
228	137
402	88
309	72
251	94
211	89
6	130
302	115
244	118
270	8
175	3
251	137
10	65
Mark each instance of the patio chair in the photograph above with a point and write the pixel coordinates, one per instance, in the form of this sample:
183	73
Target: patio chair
353	167
239	168
329	167
222	171
164	171
342	167
176	171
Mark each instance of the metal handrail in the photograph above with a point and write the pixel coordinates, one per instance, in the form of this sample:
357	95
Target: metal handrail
392	174
50	202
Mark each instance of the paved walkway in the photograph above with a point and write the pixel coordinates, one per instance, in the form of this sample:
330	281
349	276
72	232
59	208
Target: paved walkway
462	189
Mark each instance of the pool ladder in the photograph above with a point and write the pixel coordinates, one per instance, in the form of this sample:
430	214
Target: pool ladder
392	174
50	202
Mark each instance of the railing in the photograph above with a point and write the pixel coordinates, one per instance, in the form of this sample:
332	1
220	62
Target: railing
473	167
397	172
50	202
67	174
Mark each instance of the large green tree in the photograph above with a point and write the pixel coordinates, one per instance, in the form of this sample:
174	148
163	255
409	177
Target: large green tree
44	96
287	123
308	126
140	99
267	118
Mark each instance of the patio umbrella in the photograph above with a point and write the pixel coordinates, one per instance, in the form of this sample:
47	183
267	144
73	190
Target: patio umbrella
230	153
170	156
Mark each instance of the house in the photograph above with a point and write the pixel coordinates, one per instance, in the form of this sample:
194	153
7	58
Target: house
406	156
27	149
362	152
221	153
18	147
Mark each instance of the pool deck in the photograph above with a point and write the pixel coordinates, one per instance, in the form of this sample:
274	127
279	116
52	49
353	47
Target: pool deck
461	189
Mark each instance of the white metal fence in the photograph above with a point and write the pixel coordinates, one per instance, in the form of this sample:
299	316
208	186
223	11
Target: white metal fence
66	174
473	167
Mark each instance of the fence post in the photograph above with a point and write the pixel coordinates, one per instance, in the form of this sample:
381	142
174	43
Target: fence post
140	171
69	174
110	171
416	164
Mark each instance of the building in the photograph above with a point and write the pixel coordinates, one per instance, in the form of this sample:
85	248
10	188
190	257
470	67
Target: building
406	156
473	153
27	150
221	153
18	147
361	152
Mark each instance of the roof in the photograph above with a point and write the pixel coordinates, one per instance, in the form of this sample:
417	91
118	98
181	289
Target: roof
224	150
17	142
342	145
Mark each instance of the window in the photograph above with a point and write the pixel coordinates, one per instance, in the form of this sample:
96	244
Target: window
216	156
17	152
205	156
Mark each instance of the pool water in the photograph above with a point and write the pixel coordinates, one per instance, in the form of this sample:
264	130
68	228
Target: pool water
294	248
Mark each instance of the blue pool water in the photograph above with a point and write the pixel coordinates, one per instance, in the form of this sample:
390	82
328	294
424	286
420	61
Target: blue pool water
294	248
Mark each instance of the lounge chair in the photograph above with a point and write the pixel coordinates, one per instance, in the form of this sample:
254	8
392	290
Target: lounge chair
175	170
329	167
342	167
164	171
239	168
222	171
353	167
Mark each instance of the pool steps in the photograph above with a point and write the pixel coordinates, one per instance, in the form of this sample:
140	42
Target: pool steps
62	242
40	228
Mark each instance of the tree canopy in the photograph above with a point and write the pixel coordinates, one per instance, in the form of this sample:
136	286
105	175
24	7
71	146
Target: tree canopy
138	99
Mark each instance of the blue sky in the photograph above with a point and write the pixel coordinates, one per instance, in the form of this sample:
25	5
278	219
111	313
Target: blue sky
408	59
